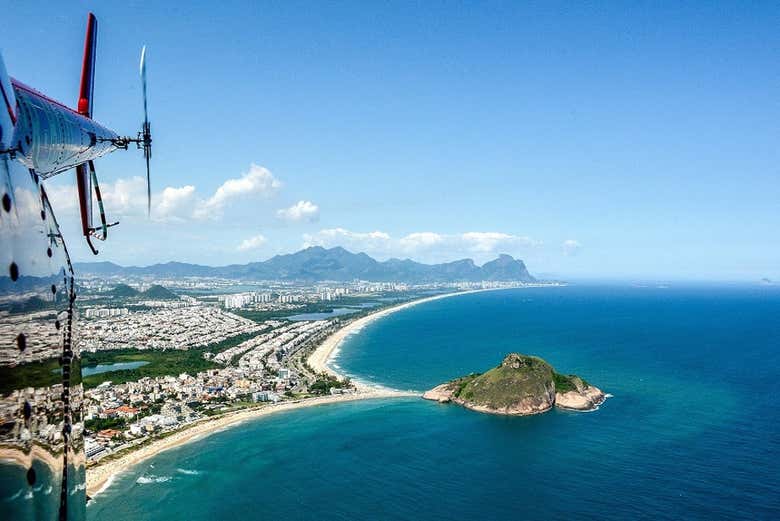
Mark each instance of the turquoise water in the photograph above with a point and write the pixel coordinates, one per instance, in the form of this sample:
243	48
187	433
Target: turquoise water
692	432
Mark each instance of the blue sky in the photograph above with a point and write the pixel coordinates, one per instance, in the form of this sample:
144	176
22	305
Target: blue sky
617	139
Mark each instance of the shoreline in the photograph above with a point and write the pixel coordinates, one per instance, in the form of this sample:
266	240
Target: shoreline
319	359
100	476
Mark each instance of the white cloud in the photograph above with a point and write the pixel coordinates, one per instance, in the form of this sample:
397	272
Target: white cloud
122	198
487	242
571	247
300	211
428	245
252	243
175	203
63	198
127	197
258	181
420	240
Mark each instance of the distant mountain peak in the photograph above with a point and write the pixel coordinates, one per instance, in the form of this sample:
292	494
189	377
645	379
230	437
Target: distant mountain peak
317	263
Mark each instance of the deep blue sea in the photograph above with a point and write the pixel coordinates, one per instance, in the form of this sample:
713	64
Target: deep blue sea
692	432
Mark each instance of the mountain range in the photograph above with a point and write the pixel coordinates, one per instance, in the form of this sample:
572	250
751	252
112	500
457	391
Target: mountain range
335	264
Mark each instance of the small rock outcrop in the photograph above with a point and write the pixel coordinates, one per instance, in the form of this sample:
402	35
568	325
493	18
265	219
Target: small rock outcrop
521	385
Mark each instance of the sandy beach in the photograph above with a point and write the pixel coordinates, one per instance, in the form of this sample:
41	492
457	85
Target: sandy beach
100	476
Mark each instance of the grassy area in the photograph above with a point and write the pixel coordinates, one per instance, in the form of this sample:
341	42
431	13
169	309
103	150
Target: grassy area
504	385
36	374
276	314
161	363
563	383
461	384
518	377
324	383
98	424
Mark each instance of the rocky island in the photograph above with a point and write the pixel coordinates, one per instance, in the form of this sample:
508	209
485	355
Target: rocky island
521	385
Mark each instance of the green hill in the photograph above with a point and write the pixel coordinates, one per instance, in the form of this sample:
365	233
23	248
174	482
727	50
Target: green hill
157	292
123	290
520	385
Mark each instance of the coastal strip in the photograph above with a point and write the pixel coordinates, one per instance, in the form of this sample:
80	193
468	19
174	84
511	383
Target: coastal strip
100	476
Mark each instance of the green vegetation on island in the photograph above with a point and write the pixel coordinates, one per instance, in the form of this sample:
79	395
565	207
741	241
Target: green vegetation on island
520	385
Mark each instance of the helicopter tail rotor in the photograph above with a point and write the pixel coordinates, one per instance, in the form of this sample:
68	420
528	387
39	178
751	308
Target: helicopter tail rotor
145	136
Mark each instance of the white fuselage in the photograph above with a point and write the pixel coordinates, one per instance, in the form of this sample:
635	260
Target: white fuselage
51	138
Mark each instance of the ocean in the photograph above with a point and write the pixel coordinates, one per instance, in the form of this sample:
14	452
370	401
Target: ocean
692	430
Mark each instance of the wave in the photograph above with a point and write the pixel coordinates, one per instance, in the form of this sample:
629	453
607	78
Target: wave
104	487
30	494
355	329
78	488
145	480
15	496
189	472
596	408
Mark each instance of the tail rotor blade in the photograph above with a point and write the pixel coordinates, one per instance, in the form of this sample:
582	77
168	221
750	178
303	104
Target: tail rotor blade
146	133
142	68
148	188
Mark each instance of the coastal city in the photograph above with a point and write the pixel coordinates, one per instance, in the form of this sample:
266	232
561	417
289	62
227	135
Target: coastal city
168	354
123	363
389	261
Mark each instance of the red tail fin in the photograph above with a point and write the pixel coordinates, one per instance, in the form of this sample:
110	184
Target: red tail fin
88	68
